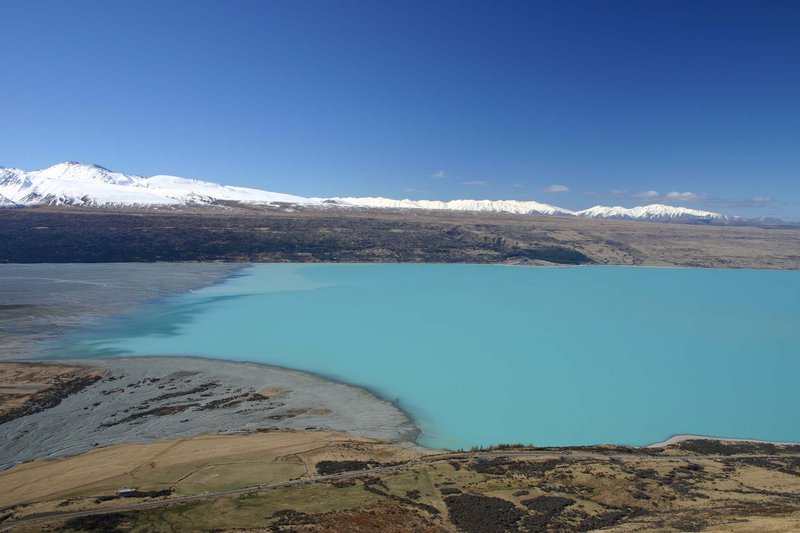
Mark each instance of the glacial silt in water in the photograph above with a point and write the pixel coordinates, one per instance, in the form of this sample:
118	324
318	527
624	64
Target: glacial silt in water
487	354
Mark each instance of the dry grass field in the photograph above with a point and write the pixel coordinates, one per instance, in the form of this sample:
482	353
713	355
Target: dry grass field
207	463
345	484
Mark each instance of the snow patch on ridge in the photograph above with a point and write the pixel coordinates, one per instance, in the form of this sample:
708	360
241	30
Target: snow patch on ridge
5	202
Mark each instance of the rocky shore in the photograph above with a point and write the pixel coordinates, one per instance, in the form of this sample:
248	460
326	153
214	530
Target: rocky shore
144	399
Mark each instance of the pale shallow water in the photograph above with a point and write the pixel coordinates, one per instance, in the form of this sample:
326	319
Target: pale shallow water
44	300
482	354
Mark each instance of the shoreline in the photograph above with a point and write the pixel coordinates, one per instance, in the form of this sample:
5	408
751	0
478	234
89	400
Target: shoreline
366	389
236	270
407	432
237	266
676	439
145	399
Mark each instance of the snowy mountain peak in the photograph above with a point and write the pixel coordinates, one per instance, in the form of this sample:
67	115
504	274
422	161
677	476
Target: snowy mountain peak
496	206
87	166
73	183
84	173
649	212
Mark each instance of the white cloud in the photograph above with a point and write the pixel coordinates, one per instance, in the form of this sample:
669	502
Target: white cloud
555	188
647	194
518	186
757	201
475	182
439	175
670	197
760	201
684	196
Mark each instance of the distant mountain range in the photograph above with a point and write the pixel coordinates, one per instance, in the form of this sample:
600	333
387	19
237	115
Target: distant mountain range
81	184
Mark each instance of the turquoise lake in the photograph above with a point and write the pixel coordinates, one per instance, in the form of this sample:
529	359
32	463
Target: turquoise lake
481	354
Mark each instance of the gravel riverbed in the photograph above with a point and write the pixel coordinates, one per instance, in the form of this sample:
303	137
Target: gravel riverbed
143	399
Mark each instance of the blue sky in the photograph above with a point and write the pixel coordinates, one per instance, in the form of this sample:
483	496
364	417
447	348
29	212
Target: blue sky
617	102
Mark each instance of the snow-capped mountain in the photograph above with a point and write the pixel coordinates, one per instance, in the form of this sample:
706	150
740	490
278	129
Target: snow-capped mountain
81	184
657	212
91	185
495	206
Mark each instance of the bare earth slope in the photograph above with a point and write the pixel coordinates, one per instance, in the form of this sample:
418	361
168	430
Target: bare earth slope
311	234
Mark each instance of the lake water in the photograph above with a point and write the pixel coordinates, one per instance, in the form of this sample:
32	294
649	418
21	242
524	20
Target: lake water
481	354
